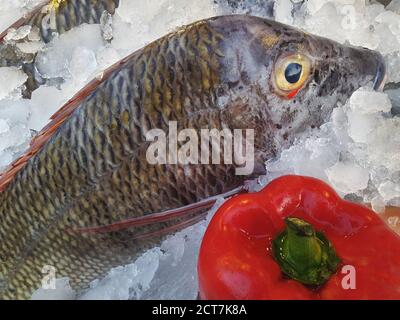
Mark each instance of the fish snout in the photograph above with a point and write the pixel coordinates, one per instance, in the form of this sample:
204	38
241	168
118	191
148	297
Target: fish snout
369	65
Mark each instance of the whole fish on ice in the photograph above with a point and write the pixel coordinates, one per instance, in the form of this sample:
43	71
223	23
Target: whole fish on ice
83	198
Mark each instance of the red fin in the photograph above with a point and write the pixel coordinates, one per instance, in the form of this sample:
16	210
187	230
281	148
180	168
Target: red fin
56	121
22	21
173	228
161	216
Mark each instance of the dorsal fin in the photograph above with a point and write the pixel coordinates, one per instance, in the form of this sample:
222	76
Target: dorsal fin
22	21
56	121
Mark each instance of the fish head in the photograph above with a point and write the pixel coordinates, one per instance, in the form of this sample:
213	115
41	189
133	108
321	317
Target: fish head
282	81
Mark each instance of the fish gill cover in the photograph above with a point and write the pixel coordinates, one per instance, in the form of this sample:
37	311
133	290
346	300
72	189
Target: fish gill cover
357	151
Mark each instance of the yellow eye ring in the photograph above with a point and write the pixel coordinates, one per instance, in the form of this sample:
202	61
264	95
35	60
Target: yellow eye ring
291	73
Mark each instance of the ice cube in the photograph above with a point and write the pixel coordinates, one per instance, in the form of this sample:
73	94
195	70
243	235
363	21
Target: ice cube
394	6
313	6
389	43
4	126
53	61
383	146
15	137
326	15
389	190
82	65
378	204
11	79
393	65
389	18
348	177
15	110
146	21
360	126
174	247
310	156
18	34
367	102
34	35
283	11
30	46
5	159
107	57
373	11
45	102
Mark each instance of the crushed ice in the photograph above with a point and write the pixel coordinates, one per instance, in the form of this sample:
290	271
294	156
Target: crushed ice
357	151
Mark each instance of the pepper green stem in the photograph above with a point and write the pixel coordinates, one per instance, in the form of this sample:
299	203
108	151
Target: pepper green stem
304	254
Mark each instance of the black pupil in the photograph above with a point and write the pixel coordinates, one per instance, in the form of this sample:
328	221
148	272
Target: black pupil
293	72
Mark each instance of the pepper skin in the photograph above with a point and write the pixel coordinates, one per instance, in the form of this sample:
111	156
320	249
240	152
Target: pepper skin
237	260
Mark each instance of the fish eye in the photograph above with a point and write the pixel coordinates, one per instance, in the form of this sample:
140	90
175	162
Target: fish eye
291	73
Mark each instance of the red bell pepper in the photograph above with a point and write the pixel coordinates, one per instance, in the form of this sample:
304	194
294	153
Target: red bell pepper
297	239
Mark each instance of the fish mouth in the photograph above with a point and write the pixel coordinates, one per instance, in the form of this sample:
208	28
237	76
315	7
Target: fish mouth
380	76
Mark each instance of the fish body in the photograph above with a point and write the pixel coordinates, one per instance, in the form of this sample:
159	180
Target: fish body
88	168
50	20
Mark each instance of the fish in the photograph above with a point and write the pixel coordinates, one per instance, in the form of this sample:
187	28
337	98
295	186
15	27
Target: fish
84	198
50	18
